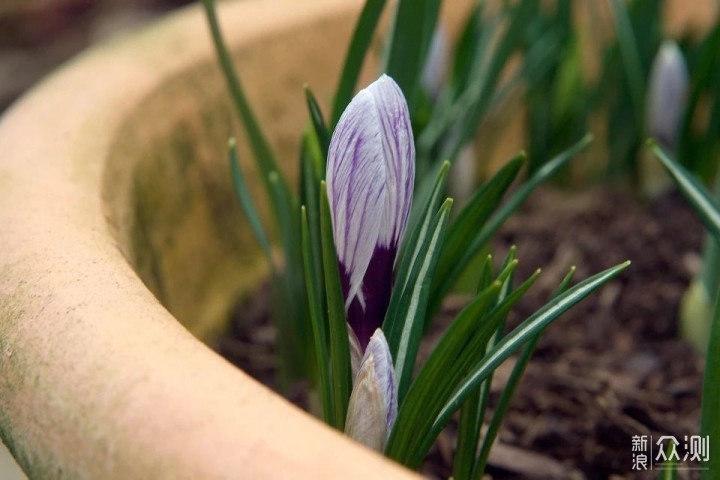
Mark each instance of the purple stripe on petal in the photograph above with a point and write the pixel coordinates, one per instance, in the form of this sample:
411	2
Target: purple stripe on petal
398	155
375	293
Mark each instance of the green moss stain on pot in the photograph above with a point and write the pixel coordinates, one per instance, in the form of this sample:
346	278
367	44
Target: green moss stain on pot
11	312
171	204
167	186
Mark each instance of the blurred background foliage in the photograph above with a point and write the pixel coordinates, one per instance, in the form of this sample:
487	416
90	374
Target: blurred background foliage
575	75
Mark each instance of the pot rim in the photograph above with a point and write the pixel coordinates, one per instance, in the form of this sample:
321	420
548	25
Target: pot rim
97	379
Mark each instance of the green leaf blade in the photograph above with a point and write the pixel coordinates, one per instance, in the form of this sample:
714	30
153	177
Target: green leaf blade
695	192
457	351
259	144
318	322
409	255
359	45
455	269
337	324
463	230
243	196
507	394
509	344
410	328
710	407
317	120
412	33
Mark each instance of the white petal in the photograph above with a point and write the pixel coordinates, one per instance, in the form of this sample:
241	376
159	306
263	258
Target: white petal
373	402
356	186
398	148
370	176
379	350
366	411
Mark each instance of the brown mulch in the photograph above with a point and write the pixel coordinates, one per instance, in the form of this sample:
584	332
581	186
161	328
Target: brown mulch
611	368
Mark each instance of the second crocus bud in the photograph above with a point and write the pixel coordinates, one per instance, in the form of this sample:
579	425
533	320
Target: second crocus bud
373	403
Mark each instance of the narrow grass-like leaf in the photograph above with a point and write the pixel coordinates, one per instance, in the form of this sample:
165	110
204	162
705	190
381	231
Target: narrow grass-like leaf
409	326
509	390
478	97
486	273
478	210
463	230
707	209
418	229
469	424
631	58
454	270
318	322
514	340
412	31
289	233
693	152
447	117
457	351
310	177
318	121
337	325
355	57
470	46
259	144
472	412
669	469
295	333
433	374
243	195
426	181
284	208
710	408
697	195
409	256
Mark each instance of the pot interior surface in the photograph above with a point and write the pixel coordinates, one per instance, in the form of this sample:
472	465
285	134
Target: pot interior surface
167	190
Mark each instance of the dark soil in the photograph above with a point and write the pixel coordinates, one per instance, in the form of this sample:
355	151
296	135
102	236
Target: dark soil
610	369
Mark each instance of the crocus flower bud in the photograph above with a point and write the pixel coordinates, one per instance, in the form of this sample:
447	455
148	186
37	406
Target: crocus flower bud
373	403
370	176
667	94
433	74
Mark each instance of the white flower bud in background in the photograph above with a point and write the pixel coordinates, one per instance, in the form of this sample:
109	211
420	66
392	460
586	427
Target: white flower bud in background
667	94
435	69
462	179
373	403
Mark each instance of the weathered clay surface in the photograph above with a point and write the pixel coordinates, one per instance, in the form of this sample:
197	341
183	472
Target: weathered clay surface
116	162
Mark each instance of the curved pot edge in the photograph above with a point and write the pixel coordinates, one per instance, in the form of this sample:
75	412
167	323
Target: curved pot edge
82	394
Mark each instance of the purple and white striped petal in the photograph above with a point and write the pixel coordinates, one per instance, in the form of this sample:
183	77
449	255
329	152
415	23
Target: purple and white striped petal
370	177
373	403
667	94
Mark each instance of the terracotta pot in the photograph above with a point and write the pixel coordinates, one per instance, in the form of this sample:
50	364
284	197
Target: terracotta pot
120	236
